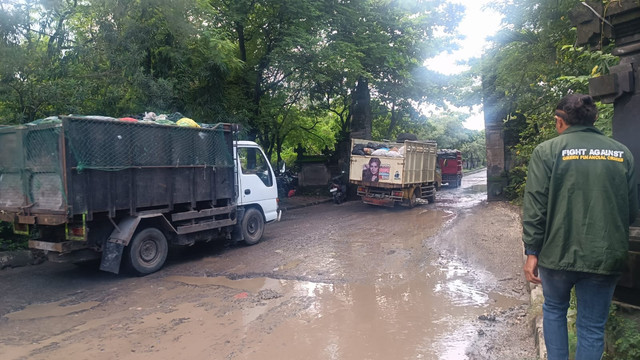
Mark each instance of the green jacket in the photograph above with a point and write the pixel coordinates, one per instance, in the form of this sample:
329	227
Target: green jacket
581	195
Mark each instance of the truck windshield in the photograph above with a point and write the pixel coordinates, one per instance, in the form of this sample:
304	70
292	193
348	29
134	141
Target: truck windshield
252	161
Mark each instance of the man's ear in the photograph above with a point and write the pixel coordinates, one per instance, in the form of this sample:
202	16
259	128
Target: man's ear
561	124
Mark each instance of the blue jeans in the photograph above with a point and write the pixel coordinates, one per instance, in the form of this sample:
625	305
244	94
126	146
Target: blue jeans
593	293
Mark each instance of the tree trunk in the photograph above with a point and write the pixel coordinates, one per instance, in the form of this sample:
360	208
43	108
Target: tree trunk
241	42
361	117
393	122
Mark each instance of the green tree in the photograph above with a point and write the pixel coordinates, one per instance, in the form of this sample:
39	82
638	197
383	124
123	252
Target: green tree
448	130
311	55
110	57
286	69
392	40
474	153
531	66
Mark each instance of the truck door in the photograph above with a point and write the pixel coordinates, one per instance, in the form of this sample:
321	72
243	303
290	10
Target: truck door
257	181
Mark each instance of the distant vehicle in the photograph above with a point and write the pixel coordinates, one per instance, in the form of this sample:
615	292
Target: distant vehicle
388	173
91	188
287	182
450	162
338	189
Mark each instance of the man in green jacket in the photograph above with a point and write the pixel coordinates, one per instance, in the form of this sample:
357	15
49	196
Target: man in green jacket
580	198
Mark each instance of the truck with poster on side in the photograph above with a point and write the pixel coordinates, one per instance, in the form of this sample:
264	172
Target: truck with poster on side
388	173
450	163
97	188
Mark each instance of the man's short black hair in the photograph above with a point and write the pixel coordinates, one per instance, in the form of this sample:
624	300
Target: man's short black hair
577	109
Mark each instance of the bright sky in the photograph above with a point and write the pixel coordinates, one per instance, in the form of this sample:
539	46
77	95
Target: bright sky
476	25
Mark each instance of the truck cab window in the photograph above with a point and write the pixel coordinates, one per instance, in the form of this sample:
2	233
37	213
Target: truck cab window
253	162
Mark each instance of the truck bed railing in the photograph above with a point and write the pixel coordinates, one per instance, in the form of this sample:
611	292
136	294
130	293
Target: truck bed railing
89	165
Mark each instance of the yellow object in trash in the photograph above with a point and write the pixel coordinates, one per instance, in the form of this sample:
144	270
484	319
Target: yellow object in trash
187	122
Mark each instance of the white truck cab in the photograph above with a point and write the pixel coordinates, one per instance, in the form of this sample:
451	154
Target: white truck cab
257	191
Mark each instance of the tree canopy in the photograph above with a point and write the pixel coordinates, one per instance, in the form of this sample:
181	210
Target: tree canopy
286	70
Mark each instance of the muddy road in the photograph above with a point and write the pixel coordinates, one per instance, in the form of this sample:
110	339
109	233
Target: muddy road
349	281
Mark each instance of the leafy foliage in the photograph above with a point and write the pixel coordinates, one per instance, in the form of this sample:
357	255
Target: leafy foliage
285	69
534	65
10	241
624	335
112	58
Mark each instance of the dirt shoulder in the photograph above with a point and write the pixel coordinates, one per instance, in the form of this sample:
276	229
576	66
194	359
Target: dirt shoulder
488	238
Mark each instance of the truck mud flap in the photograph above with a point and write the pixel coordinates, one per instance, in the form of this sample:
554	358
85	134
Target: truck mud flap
377	201
236	233
111	257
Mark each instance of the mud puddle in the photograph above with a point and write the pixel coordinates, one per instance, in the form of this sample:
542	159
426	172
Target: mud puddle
464	198
38	311
428	315
345	282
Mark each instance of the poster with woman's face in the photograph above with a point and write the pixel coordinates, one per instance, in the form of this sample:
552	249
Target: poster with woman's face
371	171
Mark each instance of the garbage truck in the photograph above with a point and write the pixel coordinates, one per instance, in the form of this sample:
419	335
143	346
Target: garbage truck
391	173
450	163
122	192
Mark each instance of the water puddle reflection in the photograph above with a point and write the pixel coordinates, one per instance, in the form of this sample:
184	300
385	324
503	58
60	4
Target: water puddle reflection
453	346
54	309
252	284
459	284
472	192
426	315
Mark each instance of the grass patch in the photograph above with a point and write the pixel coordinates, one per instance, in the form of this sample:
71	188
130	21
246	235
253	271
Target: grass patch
622	335
622	338
10	241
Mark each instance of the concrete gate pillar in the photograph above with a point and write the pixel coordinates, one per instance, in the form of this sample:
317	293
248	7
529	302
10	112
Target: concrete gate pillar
494	133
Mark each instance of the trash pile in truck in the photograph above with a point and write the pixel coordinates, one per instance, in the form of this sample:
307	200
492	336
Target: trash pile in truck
378	149
175	119
112	144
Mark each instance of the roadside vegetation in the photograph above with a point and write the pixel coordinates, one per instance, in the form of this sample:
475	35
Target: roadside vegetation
9	241
533	63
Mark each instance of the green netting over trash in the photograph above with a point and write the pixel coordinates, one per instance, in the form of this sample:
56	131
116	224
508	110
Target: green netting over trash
35	157
30	167
115	145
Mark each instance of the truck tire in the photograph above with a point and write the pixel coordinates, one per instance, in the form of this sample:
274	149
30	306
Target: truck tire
413	200
459	182
431	199
147	251
252	226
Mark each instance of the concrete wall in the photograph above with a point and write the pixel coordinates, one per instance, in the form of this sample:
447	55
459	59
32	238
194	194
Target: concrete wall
626	123
496	171
313	174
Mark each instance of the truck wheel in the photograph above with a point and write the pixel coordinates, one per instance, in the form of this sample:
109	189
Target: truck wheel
147	251
252	226
431	199
459	182
412	200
